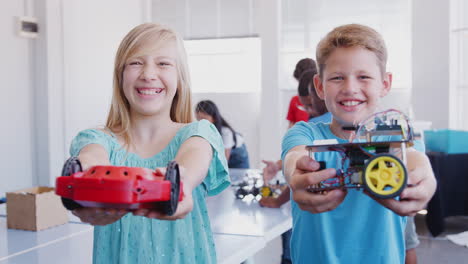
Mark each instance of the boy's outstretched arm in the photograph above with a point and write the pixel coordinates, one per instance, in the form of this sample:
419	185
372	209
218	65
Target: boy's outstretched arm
423	186
301	171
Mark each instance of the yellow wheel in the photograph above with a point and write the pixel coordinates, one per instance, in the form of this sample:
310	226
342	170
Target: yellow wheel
265	191
385	176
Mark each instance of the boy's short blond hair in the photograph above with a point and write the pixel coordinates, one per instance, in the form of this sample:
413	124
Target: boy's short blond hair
351	35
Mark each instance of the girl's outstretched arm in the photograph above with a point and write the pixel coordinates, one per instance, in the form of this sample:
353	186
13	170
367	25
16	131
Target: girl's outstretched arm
194	158
93	155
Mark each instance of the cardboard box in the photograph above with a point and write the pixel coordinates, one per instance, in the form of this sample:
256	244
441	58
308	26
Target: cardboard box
35	209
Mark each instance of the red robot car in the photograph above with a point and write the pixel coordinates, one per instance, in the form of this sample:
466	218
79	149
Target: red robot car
119	187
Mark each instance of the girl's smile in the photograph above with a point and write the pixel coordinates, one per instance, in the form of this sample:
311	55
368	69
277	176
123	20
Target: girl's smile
148	92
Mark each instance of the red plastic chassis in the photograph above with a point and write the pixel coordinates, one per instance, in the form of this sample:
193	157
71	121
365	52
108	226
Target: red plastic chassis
117	187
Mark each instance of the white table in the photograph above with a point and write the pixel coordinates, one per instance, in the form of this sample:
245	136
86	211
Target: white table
17	242
231	249
232	216
77	249
246	218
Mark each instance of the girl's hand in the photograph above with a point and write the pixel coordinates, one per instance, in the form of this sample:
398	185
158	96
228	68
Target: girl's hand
99	216
305	175
183	208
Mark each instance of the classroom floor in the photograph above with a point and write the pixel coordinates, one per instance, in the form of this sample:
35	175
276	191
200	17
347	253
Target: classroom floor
430	251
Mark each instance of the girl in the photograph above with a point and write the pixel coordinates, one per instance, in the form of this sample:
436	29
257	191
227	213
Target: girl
234	146
149	124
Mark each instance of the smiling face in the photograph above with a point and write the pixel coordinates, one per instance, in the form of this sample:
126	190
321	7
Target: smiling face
150	81
351	85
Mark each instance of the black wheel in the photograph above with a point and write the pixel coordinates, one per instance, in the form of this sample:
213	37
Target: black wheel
173	176
72	165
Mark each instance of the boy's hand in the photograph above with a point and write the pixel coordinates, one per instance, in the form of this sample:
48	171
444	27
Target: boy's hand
414	197
99	216
305	175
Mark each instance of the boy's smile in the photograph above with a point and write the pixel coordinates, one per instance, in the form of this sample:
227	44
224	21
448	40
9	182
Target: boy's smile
352	85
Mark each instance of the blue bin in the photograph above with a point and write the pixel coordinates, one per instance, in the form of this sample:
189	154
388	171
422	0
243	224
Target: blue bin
446	140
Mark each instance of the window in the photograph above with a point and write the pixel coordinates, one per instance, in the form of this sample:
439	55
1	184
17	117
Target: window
306	22
224	65
459	62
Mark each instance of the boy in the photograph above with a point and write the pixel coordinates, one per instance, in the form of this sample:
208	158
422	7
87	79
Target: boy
347	226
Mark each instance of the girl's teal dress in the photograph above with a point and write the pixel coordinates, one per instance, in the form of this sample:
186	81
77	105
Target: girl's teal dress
137	239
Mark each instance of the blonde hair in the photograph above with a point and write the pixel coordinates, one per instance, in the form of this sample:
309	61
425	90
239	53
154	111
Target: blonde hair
141	40
351	35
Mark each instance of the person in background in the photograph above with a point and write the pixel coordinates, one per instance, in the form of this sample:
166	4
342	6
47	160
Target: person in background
296	111
234	144
346	225
317	112
150	123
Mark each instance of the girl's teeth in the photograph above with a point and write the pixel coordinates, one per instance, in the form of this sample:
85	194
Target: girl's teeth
149	92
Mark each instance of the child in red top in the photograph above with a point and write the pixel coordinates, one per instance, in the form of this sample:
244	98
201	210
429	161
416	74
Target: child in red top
296	111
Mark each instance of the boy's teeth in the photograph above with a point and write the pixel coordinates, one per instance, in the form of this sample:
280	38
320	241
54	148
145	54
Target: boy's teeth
350	103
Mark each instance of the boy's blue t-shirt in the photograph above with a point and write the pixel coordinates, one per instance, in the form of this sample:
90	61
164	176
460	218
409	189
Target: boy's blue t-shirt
359	230
138	239
325	118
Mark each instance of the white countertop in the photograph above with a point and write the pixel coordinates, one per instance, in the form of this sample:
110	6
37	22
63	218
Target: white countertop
16	242
229	215
230	249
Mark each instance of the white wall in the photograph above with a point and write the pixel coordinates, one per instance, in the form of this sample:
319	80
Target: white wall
207	18
431	61
89	49
16	101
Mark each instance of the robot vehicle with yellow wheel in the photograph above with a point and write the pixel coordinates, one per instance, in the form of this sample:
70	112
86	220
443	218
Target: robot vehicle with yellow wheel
374	158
